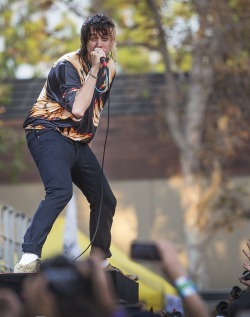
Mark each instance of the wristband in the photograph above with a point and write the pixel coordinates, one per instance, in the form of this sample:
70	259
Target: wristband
93	75
185	286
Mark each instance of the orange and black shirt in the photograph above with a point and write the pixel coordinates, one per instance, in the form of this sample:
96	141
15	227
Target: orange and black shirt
53	108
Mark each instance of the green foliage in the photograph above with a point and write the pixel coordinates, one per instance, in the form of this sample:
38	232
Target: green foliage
182	9
138	64
5	95
30	35
37	33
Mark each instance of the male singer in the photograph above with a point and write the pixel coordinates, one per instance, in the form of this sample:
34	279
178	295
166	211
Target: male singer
59	129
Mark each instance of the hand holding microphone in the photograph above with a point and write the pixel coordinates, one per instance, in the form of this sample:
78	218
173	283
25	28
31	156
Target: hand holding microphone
102	60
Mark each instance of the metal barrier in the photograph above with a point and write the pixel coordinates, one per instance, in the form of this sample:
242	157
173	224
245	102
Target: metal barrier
13	225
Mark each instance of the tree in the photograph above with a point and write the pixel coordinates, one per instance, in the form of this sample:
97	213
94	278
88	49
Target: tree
216	95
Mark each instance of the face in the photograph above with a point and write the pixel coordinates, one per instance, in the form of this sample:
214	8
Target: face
103	41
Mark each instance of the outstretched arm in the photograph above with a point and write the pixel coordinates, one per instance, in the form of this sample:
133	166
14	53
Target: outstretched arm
177	276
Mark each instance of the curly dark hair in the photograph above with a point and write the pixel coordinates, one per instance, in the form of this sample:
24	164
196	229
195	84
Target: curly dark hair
102	25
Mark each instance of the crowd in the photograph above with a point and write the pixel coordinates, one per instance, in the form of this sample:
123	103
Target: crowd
63	288
238	303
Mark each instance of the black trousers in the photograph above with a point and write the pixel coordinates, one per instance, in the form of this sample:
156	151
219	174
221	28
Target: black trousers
62	162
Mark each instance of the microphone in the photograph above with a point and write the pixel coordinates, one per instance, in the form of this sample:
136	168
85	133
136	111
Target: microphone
103	62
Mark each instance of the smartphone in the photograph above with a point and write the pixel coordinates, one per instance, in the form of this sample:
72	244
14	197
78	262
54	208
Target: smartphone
245	275
144	251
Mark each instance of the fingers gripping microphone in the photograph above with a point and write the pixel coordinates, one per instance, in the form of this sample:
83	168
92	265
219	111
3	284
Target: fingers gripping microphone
103	62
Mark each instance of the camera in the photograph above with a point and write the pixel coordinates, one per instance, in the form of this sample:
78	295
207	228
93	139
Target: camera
144	251
245	276
236	292
63	277
221	308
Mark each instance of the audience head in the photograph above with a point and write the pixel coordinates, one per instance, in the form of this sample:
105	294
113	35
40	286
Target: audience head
64	288
10	304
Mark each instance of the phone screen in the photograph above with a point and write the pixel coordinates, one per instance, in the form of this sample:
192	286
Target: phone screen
144	251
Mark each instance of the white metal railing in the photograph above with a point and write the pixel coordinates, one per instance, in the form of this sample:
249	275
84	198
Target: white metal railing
13	226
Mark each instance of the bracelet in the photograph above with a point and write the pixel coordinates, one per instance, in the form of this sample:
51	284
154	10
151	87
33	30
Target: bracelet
185	286
92	75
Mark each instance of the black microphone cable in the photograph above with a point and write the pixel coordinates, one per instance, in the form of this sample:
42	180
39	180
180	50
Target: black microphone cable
102	167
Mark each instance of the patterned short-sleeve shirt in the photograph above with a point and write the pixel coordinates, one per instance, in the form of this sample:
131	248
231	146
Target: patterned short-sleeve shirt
53	108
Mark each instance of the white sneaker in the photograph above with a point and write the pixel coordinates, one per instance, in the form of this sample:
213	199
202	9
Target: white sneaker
32	267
